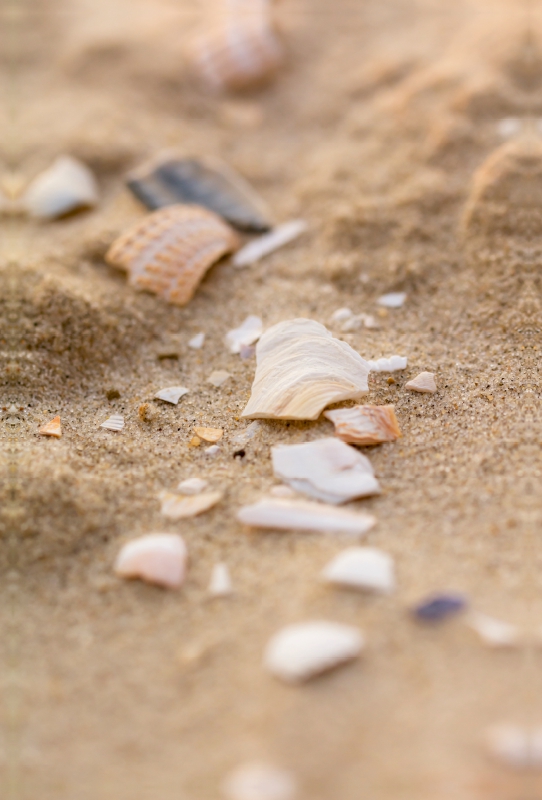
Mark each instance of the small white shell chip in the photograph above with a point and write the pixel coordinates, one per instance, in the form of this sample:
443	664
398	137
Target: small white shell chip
172	394
392	364
246	334
197	341
365	568
392	300
256	781
176	507
424	382
303	515
220	584
114	423
192	486
67	185
299	652
158	558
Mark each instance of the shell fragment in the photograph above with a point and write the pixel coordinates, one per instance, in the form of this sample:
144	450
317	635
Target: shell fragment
247	333
172	394
68	185
175	507
218	377
424	382
211	435
365	425
364	568
515	746
303	515
392	364
197	341
277	238
158	558
392	300
52	428
493	632
258	781
192	486
114	423
220	584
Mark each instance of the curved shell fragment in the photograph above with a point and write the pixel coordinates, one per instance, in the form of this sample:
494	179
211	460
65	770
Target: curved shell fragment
365	425
365	568
424	382
52	428
176	506
66	186
302	368
172	394
392	364
303	515
158	558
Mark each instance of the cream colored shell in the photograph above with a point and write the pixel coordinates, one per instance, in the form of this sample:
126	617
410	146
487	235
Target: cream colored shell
365	425
424	382
168	252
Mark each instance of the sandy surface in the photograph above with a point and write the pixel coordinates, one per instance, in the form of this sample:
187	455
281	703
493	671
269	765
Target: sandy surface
383	132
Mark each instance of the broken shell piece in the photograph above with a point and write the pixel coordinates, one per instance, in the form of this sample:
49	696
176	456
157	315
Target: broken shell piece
439	607
299	652
424	382
218	377
279	237
255	781
68	185
196	342
302	368
392	364
158	558
206	182
515	746
362	568
114	423
211	435
326	469
171	395
192	486
168	252
493	632
246	334
365	425
51	428
220	584
176	507
213	450
392	300
303	515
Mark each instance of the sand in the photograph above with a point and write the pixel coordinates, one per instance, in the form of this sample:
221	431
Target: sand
383	132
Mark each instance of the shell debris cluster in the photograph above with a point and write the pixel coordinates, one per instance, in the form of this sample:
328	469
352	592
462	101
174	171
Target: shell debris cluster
365	425
391	364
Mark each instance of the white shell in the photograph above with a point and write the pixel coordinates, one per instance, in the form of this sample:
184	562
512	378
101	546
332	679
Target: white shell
220	584
212	450
515	746
269	242
218	377
172	394
192	486
196	342
255	781
392	300
247	333
493	632
363	568
302	368
176	507
341	315
392	364
66	186
326	469
424	382
299	652
303	515
114	423
156	558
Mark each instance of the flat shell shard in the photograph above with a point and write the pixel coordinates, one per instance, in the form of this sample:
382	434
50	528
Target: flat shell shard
365	425
392	300
218	377
303	515
168	252
68	185
176	506
255	781
51	428
192	486
114	423
209	183
494	632
326	469
424	382
172	394
212	435
392	364
220	584
277	238
158	558
302	368
300	652
515	746
246	334
364	568
439	607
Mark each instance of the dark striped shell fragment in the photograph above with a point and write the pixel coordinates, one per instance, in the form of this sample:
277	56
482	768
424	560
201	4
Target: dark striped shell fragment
168	252
208	183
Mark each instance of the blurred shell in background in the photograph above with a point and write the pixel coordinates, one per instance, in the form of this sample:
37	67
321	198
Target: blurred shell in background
66	186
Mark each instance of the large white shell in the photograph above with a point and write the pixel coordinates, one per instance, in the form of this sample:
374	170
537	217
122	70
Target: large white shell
302	368
303	515
269	242
158	558
299	652
258	781
66	186
326	469
247	333
363	568
365	425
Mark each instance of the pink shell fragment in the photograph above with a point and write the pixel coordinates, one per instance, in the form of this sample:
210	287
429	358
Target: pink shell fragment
158	558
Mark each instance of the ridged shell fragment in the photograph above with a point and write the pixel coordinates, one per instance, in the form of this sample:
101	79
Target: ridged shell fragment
424	382
211	435
220	584
168	252
365	425
259	781
300	652
493	632
66	186
52	428
247	333
326	469
515	746
114	423
172	394
392	364
267	244
302	368
303	515
192	486
175	507
365	568
158	558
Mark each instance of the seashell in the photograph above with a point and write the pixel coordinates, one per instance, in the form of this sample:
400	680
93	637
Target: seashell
196	342
515	746
247	333
169	252
208	182
171	395
212	435
392	364
326	469
218	377
365	425
192	486
240	54
213	450
279	237
302	368
177	507
247	351
51	428
68	185
158	558
303	515
220	584
299	652
439	607
392	300
362	568
424	382
341	315
114	423
256	781
493	632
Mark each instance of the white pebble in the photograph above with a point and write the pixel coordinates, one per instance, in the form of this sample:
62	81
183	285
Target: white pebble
220	584
341	315
256	781
362	568
158	558
192	486
392	300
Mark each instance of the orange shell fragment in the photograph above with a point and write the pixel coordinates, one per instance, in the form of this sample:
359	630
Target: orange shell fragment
365	425
51	428
212	435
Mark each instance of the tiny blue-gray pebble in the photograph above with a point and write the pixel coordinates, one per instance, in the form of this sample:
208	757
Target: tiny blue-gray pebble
440	606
